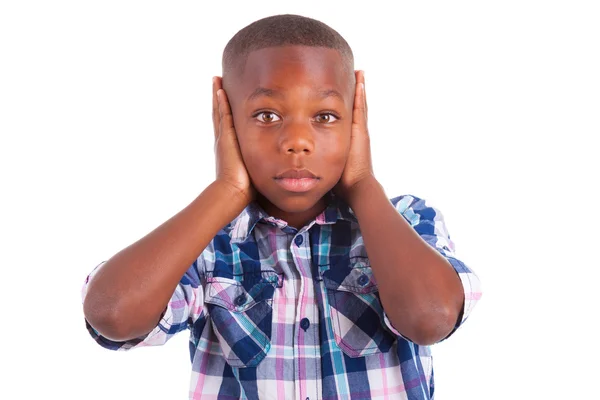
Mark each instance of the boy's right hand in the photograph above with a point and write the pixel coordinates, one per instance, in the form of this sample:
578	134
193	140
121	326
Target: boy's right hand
231	169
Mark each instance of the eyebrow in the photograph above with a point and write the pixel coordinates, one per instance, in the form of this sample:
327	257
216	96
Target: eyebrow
330	93
263	91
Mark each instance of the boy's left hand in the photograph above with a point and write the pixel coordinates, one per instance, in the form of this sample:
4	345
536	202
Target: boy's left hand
359	168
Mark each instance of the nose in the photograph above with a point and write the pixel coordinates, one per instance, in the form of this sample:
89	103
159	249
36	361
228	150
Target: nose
297	138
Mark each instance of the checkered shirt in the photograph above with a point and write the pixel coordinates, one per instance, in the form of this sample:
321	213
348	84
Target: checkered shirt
280	313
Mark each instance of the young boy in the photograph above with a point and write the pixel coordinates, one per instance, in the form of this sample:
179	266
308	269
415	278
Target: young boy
295	274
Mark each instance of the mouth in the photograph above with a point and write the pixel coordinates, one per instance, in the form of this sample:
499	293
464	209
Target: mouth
297	180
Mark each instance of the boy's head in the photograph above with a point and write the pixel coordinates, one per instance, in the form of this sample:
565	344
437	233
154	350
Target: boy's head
290	82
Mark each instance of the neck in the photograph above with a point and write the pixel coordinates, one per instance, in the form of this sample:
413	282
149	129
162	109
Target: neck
293	219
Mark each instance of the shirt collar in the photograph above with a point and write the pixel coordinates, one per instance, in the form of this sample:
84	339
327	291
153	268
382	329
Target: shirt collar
241	227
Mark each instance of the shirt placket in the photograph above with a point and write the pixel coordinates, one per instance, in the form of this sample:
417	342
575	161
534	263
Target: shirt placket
306	338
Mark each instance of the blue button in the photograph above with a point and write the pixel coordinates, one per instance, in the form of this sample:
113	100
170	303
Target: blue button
363	280
240	300
299	240
304	324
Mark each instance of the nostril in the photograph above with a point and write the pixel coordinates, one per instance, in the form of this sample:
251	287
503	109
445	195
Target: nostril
298	151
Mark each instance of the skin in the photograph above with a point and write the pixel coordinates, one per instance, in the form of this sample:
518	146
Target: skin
292	109
419	289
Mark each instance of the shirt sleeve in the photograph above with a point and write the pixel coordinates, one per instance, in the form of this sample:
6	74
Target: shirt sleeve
429	224
183	309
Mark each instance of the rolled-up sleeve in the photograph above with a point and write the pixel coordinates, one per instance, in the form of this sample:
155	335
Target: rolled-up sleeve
183	309
429	224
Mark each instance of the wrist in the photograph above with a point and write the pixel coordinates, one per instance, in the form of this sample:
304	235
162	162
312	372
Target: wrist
233	194
362	190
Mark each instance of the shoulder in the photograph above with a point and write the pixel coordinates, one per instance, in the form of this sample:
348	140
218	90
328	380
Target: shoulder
426	220
220	245
416	209
406	201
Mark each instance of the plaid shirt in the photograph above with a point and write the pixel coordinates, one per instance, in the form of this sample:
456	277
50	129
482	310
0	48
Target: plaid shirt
280	313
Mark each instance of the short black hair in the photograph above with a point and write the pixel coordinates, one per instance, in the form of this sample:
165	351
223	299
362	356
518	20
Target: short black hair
282	30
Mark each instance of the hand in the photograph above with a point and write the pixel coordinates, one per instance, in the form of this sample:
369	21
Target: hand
359	168
230	165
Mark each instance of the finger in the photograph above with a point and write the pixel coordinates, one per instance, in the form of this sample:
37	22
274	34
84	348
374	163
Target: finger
359	112
360	77
365	96
215	107
225	117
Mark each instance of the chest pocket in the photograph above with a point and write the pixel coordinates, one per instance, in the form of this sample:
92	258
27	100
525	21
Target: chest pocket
355	311
241	316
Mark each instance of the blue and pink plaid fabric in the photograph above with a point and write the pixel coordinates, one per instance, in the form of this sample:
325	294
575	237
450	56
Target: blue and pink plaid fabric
280	313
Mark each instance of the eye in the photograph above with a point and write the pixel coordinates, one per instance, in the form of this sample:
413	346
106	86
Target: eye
267	117
326	118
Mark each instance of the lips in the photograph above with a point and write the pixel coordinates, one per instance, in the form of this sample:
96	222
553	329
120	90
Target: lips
296	174
297	180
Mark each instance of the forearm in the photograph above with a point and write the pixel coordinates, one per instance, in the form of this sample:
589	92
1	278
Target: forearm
126	297
418	287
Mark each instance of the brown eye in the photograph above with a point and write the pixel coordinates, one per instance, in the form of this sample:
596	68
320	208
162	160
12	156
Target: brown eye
267	117
326	118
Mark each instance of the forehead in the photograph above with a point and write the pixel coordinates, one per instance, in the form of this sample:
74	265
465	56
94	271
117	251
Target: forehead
293	69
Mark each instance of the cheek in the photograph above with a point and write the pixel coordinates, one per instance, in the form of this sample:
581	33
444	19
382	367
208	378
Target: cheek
335	151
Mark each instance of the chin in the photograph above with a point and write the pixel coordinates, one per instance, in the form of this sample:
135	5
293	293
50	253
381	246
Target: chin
293	202
296	204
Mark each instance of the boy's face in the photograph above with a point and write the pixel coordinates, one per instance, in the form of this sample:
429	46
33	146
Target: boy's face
292	110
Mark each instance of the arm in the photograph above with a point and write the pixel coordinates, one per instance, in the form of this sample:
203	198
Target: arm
148	271
420	290
128	294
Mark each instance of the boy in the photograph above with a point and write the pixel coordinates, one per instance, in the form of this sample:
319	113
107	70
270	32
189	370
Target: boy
295	274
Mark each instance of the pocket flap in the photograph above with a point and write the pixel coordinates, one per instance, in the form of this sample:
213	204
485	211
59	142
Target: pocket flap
232	294
355	277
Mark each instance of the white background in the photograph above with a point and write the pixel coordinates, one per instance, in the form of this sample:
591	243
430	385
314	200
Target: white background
488	109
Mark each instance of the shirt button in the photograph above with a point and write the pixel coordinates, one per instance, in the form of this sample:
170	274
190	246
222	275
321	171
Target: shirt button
298	240
240	300
363	280
304	324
